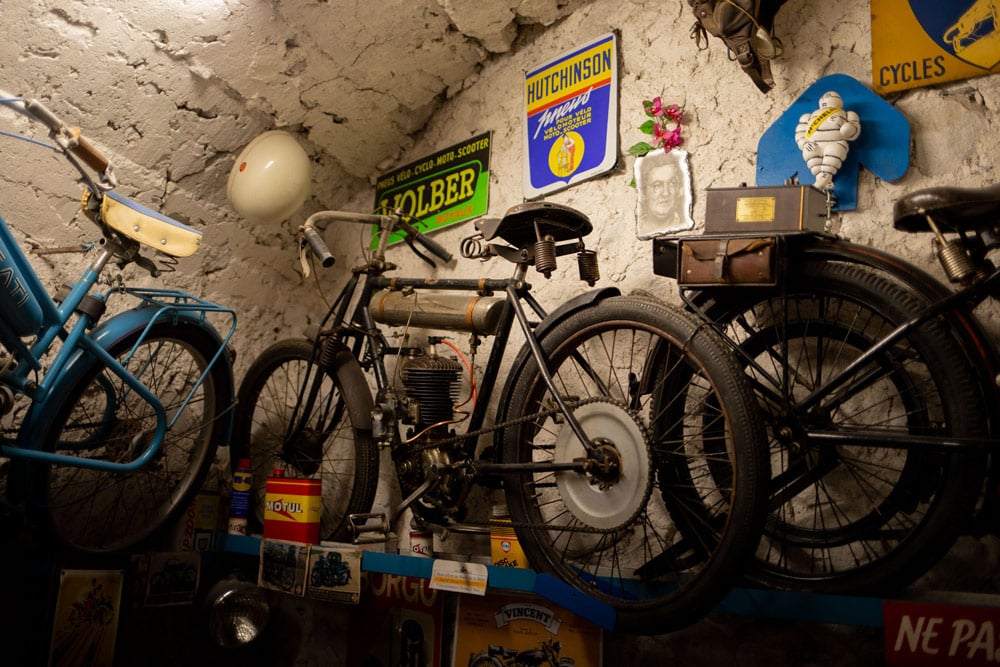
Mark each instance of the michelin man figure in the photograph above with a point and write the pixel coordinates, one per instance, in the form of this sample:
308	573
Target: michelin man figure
822	137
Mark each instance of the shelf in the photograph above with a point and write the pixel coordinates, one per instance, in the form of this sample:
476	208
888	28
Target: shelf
761	603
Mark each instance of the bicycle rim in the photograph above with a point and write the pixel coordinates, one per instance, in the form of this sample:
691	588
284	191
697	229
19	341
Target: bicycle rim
659	537
104	512
277	430
855	518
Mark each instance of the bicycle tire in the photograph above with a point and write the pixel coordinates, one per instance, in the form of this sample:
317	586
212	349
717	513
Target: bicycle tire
667	541
332	448
855	519
100	512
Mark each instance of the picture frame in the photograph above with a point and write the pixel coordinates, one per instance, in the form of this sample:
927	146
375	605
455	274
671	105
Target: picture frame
664	201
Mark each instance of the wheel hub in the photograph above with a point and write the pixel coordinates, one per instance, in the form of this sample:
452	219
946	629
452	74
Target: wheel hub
618	482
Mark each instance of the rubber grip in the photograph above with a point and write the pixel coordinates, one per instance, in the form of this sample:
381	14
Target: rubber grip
87	152
433	246
319	247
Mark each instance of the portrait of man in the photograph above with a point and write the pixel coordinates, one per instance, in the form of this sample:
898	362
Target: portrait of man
663	182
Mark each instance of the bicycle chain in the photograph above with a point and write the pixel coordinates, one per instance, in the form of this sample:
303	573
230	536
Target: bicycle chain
546	413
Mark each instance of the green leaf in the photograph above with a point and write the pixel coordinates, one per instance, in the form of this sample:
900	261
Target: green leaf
647	127
640	148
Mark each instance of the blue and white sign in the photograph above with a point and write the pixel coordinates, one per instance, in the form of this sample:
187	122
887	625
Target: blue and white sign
571	117
883	146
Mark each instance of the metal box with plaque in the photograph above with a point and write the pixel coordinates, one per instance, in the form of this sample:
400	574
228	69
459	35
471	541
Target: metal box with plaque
779	209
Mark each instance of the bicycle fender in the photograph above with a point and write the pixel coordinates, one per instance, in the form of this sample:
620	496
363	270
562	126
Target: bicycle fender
106	334
977	344
353	383
566	309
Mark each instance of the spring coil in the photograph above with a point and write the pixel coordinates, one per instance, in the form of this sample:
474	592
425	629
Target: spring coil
545	256
956	262
587	262
475	247
328	354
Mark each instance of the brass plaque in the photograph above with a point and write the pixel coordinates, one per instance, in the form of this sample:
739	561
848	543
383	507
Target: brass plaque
755	209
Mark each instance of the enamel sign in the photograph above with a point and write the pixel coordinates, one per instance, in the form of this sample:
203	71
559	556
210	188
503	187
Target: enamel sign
926	42
571	117
438	190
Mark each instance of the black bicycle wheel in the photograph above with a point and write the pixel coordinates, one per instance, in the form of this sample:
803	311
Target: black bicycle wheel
102	418
849	517
648	529
278	426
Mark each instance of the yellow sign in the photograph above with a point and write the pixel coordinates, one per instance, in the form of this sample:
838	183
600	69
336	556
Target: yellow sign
925	42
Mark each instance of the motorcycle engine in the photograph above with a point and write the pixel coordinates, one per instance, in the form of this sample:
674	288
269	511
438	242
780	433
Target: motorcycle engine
431	386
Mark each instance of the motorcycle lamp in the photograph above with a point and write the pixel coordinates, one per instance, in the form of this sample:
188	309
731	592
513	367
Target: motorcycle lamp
270	179
237	613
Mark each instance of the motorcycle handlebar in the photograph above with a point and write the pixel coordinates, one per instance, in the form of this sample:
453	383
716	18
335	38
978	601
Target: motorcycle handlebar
383	222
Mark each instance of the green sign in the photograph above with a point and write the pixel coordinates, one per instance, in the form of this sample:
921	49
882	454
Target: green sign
441	189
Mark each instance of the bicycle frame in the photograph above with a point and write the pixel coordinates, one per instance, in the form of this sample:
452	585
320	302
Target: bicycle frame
370	347
954	306
31	313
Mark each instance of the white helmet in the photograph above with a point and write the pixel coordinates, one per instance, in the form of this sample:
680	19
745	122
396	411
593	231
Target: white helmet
270	179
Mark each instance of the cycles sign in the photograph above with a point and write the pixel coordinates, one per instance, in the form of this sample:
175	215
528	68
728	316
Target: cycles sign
441	189
926	42
571	121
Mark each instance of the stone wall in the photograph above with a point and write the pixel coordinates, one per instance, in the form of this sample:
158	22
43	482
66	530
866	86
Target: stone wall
175	147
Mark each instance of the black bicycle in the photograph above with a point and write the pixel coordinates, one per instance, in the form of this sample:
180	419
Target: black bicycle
625	437
878	385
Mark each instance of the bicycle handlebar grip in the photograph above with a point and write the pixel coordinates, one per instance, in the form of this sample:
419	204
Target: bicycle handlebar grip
319	247
89	153
434	247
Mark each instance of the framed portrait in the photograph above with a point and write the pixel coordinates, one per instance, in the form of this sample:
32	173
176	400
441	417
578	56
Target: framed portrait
663	185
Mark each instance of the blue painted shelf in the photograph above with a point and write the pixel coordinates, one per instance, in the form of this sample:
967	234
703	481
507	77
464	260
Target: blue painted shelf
763	603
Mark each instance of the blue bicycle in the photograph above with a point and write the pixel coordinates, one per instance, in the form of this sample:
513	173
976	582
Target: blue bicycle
109	424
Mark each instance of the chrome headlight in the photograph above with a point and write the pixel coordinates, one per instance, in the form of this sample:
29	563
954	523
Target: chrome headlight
237	612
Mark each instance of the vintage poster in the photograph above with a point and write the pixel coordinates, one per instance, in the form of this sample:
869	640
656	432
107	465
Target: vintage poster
926	42
172	578
335	573
283	566
498	628
571	117
86	618
441	189
398	622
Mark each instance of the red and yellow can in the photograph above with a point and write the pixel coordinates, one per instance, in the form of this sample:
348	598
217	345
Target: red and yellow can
292	509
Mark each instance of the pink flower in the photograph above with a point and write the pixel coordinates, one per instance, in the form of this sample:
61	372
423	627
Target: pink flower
656	107
673	139
660	133
674	113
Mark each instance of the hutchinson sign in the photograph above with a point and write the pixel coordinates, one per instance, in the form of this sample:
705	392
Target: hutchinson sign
571	117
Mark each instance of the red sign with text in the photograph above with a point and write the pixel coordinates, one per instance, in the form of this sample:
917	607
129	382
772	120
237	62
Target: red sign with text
939	635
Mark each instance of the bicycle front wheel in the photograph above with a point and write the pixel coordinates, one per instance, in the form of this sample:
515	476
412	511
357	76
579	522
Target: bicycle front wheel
294	415
666	514
97	511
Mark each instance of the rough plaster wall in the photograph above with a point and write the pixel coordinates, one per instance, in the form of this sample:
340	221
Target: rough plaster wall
954	142
173	89
173	100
